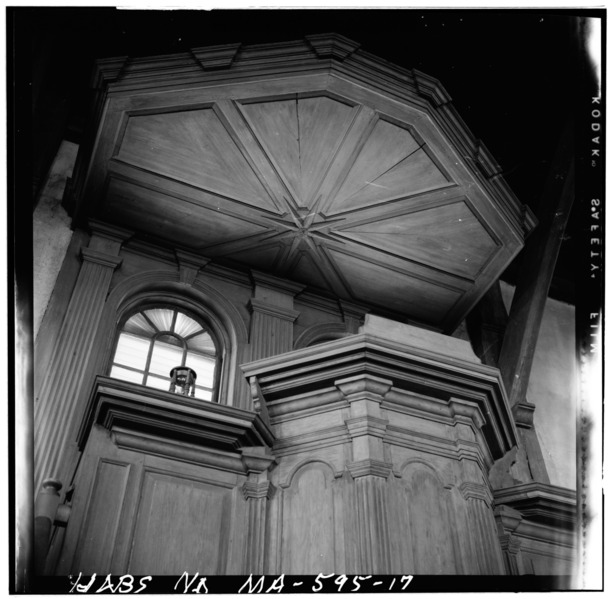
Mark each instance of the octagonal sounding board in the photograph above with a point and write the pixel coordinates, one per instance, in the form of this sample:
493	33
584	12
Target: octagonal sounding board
371	194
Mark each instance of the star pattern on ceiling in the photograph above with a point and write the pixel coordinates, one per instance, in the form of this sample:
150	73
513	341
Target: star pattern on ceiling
329	193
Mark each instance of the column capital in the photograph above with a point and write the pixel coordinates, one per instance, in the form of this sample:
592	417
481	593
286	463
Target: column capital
468	410
107	238
101	258
478	491
257	460
257	305
189	265
364	383
507	519
523	414
366	425
261	490
369	467
262	279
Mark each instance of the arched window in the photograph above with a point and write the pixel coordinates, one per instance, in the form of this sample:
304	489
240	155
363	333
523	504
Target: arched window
157	339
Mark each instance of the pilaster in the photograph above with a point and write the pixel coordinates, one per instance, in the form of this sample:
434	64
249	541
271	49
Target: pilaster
369	470
273	314
56	407
507	521
257	491
485	545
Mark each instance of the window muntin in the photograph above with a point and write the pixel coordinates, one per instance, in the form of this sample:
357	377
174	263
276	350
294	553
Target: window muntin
155	340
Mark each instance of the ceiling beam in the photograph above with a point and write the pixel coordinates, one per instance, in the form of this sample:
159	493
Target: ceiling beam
537	263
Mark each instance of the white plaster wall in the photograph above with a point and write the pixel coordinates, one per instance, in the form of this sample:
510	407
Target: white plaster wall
52	231
553	389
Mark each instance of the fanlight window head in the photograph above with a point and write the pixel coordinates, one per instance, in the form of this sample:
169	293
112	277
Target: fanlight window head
156	341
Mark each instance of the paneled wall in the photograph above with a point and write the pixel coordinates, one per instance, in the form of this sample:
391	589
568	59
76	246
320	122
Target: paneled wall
373	455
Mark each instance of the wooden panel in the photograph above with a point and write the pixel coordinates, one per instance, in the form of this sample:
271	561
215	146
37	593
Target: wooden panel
390	165
431	543
322	125
460	243
175	218
276	126
393	289
307	270
99	532
386	146
193	147
182	526
264	257
308	536
300	137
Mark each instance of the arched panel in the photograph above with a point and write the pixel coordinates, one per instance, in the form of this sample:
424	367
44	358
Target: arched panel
164	287
308	521
318	333
431	529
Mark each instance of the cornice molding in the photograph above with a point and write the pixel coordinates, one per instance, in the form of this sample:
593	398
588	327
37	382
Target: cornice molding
363	386
185	452
441	388
108	70
541	503
115	404
216	57
108	231
330	45
215	65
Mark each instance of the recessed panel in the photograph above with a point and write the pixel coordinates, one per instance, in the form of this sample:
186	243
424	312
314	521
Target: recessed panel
390	164
450	238
308	271
173	218
300	136
193	147
181	527
393	289
263	257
